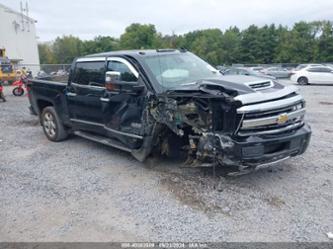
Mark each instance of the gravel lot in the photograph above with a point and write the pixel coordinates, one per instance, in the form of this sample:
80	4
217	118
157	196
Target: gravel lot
78	190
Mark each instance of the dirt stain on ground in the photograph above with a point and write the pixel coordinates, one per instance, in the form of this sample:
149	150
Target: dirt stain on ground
275	201
32	122
325	103
185	190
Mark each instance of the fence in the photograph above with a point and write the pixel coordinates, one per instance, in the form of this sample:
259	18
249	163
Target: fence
56	72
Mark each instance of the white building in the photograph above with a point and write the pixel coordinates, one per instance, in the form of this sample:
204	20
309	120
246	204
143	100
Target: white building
18	37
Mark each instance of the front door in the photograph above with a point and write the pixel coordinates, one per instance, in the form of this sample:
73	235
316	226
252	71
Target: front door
84	95
123	108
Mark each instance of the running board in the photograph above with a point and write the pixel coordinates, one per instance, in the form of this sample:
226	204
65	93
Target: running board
102	140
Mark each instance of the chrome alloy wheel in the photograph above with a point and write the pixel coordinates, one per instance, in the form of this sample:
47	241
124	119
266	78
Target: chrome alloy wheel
49	124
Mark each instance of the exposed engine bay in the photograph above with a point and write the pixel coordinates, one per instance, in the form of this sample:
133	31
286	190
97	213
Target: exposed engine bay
202	128
198	125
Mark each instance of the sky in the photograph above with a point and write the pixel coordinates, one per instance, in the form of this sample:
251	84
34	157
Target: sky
90	18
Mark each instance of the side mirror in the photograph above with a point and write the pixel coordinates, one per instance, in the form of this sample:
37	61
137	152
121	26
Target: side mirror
113	82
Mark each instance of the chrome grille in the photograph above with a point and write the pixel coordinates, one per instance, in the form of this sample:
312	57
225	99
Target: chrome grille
272	117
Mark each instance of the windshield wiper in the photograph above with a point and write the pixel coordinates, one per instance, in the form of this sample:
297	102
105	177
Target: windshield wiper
190	83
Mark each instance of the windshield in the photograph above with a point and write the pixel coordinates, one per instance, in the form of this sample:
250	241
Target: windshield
172	70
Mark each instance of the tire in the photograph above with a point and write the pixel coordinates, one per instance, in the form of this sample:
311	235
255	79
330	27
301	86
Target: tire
303	81
18	91
53	128
2	96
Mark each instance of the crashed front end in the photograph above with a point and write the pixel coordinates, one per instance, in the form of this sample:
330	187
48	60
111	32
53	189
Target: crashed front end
220	127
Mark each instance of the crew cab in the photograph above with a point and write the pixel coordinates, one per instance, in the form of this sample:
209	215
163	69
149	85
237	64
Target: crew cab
172	103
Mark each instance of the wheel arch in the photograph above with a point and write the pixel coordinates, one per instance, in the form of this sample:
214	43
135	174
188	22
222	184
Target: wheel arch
303	76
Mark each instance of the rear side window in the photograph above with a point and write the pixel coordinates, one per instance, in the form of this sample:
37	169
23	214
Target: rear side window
90	73
125	73
320	69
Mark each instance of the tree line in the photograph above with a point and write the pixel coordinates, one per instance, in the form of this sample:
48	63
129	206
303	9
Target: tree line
302	43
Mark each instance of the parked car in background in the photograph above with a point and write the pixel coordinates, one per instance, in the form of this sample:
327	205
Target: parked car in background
258	69
277	72
42	75
302	66
313	74
221	68
329	65
247	71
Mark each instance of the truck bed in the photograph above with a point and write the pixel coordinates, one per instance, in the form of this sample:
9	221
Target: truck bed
46	92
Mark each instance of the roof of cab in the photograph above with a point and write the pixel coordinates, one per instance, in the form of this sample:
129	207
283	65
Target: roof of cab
136	53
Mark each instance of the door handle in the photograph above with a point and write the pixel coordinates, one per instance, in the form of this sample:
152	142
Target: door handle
104	99
69	94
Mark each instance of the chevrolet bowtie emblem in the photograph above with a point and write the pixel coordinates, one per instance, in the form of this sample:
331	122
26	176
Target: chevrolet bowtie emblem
283	118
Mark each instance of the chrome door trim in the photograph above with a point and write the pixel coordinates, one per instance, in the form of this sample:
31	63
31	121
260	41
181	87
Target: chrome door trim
113	58
70	94
88	59
126	62
104	99
88	86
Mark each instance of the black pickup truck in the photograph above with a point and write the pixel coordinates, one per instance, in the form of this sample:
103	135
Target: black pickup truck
172	103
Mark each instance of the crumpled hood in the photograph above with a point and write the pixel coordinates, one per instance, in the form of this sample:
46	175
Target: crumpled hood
231	84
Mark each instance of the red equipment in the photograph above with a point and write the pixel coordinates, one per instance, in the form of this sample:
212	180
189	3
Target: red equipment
20	85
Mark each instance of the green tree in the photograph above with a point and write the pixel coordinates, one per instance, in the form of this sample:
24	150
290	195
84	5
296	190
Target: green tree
46	55
230	46
204	43
140	36
66	48
305	42
324	49
100	44
250	47
297	45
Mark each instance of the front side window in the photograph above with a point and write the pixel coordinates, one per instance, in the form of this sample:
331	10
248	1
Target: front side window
125	73
326	70
90	73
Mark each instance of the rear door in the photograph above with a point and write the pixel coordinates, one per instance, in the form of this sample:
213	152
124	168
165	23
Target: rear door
327	75
319	75
84	94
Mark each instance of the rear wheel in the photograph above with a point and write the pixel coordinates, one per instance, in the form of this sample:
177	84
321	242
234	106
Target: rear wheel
52	125
2	96
303	81
18	91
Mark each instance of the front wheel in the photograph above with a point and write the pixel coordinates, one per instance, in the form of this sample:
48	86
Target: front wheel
52	125
18	91
303	81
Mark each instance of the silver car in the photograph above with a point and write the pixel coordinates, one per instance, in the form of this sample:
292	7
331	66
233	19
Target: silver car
247	71
277	72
